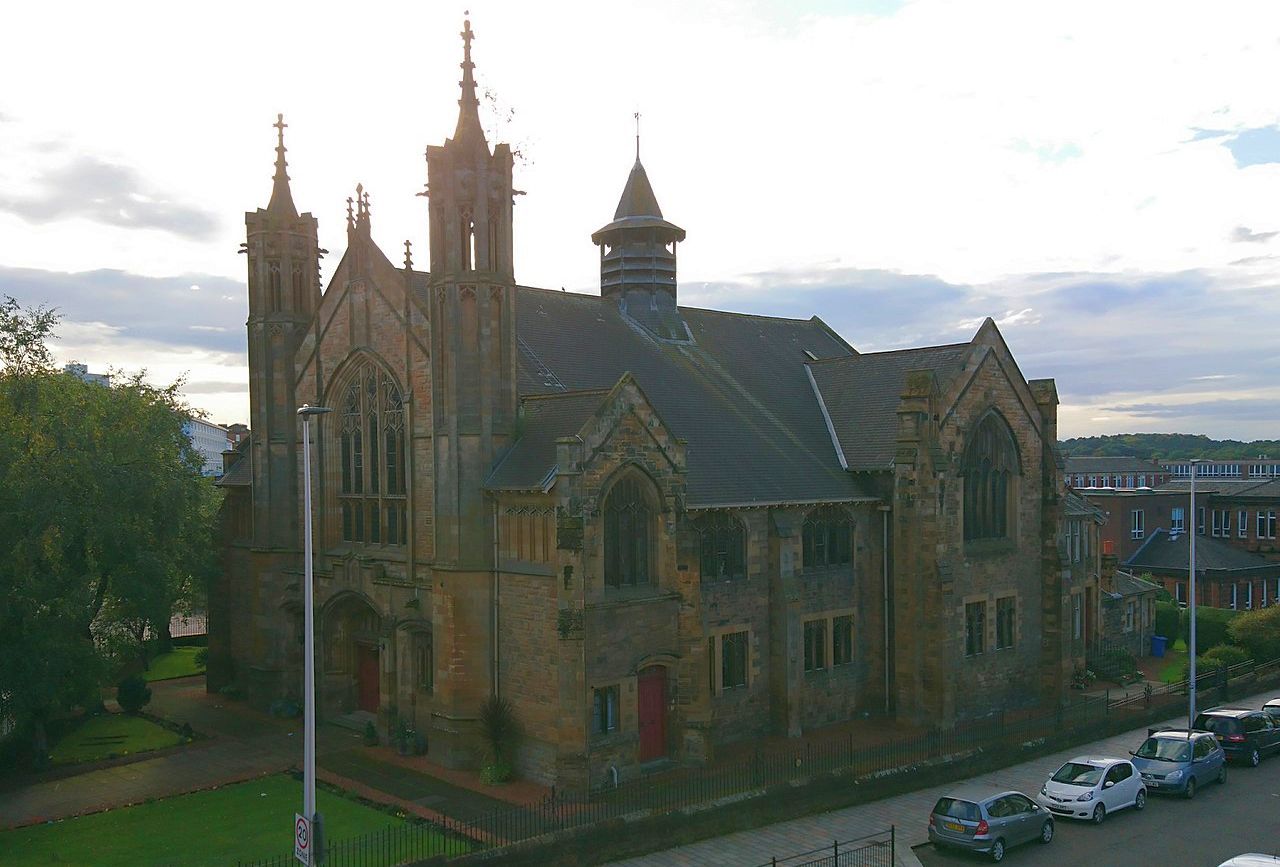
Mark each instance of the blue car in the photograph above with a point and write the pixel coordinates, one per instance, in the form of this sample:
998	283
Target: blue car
1179	762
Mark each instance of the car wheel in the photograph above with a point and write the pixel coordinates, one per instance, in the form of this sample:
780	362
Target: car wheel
1190	791
1099	813
1140	802
1222	773
997	851
1254	757
1046	831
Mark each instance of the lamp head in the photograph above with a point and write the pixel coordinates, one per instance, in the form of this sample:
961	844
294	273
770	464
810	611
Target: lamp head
307	409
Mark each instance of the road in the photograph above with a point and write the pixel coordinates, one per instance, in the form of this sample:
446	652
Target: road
1241	816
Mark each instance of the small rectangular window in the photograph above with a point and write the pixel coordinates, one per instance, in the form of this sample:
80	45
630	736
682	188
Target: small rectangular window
733	660
1006	622
815	645
975	628
1242	524
1077	617
1176	520
1137	526
842	640
604	711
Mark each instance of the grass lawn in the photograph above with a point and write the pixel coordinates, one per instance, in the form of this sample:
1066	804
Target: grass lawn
1175	659
179	662
248	821
111	733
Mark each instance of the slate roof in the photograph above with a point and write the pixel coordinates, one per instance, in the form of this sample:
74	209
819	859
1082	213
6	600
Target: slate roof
530	463
862	393
1089	464
1227	487
1165	553
1075	505
1131	585
738	394
241	472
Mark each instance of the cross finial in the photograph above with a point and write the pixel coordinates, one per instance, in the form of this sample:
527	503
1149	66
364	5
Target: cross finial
408	256
366	205
351	220
280	126
637	117
467	36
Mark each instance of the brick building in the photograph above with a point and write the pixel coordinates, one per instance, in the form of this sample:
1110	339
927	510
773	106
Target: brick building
655	529
1086	471
1226	576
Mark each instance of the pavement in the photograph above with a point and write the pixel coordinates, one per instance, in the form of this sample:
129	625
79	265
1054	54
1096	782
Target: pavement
242	744
907	813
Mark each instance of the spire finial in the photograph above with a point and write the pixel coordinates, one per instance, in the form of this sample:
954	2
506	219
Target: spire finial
408	255
351	219
281	198
637	116
468	104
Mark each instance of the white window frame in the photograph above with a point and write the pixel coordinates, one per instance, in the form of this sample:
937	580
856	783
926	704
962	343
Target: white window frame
1137	524
1248	596
1235	588
1242	524
1077	616
1177	520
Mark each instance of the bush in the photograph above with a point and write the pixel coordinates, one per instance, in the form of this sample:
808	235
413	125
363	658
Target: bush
1211	626
1258	632
133	694
1222	656
201	658
1167	622
500	729
499	772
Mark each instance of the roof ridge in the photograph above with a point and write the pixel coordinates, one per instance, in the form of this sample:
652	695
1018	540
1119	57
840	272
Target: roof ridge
905	349
581	392
808	321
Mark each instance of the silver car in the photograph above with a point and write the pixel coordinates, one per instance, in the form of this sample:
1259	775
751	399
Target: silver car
988	822
1176	761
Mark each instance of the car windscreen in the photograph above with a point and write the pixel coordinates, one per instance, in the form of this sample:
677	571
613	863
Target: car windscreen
1169	749
956	809
1219	725
1078	774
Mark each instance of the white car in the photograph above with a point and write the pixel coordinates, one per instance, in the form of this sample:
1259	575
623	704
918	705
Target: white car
1090	787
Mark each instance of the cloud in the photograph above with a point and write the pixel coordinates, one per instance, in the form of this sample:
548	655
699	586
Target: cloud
159	311
1252	147
1247	235
107	193
216	387
1241	410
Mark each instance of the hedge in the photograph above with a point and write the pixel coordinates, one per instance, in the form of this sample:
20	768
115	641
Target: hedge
1211	626
1168	621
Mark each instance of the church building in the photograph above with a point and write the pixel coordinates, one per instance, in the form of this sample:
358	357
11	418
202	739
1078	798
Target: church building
655	529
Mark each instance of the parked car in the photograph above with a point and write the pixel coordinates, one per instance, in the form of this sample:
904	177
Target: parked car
1246	735
1090	787
1178	761
988	822
1252	859
1272	709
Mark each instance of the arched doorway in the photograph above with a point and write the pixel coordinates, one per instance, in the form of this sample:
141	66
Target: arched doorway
651	708
352	655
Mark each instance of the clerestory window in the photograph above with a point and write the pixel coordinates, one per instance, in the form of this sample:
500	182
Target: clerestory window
723	548
827	538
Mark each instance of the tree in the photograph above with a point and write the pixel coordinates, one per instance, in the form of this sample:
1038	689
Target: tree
1258	631
105	521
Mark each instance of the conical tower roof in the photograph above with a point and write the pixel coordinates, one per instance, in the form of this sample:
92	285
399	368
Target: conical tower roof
638	209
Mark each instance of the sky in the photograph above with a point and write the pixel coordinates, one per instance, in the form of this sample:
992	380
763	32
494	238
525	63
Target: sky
1101	178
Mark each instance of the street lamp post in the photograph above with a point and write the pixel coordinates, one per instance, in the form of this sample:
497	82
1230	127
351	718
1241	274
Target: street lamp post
309	652
1193	521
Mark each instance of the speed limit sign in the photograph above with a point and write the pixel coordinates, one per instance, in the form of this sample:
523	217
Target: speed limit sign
302	838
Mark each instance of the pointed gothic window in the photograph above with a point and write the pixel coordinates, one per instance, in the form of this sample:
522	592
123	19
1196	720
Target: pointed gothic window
371	494
827	538
989	468
628	535
277	291
722	545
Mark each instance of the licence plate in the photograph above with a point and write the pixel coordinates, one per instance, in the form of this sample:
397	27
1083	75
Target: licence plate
953	826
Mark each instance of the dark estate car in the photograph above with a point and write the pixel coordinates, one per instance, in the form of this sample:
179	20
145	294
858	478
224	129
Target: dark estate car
1245	735
988	822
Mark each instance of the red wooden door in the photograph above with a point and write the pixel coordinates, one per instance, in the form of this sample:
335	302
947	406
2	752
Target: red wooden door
652	707
367	677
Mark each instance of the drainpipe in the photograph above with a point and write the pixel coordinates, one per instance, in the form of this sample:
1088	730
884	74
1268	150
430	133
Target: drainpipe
884	563
496	612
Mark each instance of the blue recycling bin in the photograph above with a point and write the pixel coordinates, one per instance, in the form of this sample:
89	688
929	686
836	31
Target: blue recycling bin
1158	643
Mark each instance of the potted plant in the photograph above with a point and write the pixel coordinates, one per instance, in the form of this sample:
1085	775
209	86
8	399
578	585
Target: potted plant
404	738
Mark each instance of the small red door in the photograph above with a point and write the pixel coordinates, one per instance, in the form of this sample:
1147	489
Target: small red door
367	677
652	708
